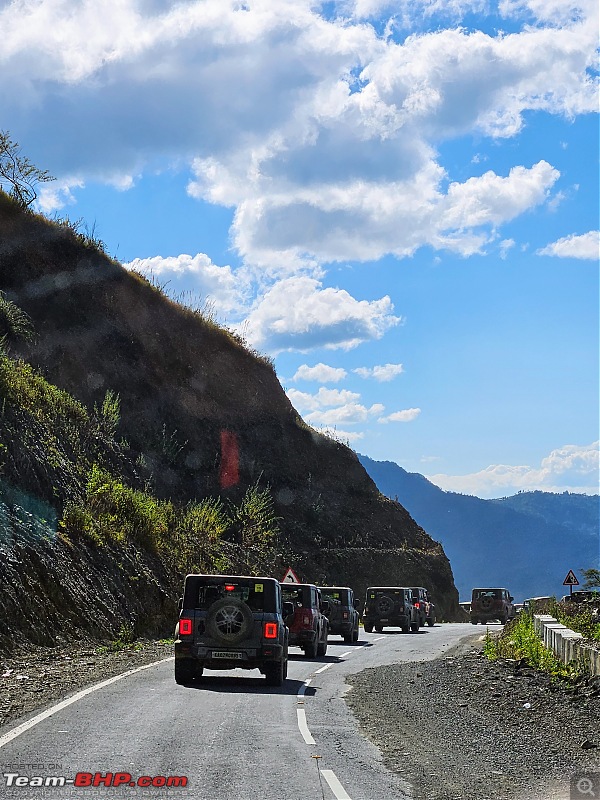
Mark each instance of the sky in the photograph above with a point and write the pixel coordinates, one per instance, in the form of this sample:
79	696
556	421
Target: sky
396	201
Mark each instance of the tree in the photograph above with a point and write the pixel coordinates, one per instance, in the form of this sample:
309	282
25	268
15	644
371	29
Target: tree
18	174
592	578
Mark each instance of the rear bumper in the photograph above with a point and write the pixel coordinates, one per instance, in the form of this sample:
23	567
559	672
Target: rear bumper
241	657
341	627
395	621
303	637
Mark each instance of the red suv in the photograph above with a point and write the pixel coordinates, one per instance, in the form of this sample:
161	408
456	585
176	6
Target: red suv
309	627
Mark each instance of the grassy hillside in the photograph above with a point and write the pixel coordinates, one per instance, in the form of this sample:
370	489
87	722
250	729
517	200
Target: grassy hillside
146	426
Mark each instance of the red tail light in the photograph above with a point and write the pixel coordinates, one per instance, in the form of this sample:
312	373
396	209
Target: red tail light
270	630
186	626
417	605
229	587
345	615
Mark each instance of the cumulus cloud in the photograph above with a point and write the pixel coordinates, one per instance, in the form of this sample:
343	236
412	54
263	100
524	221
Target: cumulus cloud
299	314
303	401
572	467
586	246
348	414
381	373
408	415
218	287
319	133
321	373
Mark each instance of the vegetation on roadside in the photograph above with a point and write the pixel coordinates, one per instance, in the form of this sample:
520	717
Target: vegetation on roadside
53	446
519	641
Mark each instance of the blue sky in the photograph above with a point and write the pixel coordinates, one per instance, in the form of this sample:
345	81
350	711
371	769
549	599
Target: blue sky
397	201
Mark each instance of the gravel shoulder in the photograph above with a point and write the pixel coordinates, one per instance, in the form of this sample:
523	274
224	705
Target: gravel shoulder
462	727
39	676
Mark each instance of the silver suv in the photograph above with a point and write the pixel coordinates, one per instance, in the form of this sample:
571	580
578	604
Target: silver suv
390	606
229	622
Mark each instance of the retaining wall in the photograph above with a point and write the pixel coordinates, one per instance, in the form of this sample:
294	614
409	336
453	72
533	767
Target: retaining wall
567	645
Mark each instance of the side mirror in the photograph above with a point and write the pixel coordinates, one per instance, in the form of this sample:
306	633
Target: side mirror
325	606
288	609
510	598
180	604
356	604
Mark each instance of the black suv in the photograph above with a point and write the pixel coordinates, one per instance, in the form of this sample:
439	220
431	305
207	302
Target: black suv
387	606
309	627
425	608
343	616
230	621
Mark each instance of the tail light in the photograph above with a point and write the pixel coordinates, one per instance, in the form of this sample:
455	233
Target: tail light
417	604
270	630
345	615
186	626
305	620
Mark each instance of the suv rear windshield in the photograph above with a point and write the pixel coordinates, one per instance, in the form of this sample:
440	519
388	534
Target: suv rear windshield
201	593
299	595
341	595
478	593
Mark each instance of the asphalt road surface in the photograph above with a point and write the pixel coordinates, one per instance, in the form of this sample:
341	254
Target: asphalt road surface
229	736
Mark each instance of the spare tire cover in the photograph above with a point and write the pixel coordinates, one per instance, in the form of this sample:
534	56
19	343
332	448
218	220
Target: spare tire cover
229	620
384	604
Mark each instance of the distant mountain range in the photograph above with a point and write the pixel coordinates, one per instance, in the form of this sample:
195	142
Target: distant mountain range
526	543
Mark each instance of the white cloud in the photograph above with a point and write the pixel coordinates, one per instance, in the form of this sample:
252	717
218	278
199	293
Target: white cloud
569	468
322	373
408	415
215	287
340	435
322	399
349	414
381	373
298	314
322	135
586	246
56	195
505	246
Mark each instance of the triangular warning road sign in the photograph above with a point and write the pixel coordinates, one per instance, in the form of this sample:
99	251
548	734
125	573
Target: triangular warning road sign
571	579
290	576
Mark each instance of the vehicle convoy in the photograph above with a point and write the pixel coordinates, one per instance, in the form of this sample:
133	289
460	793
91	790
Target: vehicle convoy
390	606
489	604
230	622
342	614
309	627
425	608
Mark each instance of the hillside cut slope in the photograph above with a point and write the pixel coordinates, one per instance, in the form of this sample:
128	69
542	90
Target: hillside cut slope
201	414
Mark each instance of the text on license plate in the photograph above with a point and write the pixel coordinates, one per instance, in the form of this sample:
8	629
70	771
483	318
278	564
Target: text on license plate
223	654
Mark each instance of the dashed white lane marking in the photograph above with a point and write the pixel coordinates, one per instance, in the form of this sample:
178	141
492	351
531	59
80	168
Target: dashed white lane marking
379	638
322	669
335	786
347	653
303	688
25	726
306	734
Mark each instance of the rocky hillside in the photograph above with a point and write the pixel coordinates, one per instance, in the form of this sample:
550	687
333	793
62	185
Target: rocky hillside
197	416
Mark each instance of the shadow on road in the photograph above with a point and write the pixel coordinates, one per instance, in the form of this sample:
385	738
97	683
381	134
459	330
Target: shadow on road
236	685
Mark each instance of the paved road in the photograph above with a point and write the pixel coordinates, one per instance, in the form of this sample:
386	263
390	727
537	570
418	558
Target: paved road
231	736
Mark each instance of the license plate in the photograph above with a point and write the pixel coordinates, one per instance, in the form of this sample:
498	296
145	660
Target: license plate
383	620
219	654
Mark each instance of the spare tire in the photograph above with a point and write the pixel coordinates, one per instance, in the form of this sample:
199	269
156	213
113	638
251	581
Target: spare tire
384	605
485	603
229	621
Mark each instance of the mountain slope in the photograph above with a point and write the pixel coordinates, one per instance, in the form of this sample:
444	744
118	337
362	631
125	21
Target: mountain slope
527	542
201	415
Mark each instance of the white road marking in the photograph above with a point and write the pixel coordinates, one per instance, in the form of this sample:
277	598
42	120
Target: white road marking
49	712
322	669
347	653
379	638
304	687
306	734
335	786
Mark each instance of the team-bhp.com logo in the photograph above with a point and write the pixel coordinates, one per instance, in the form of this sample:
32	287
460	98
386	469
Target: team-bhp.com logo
84	780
